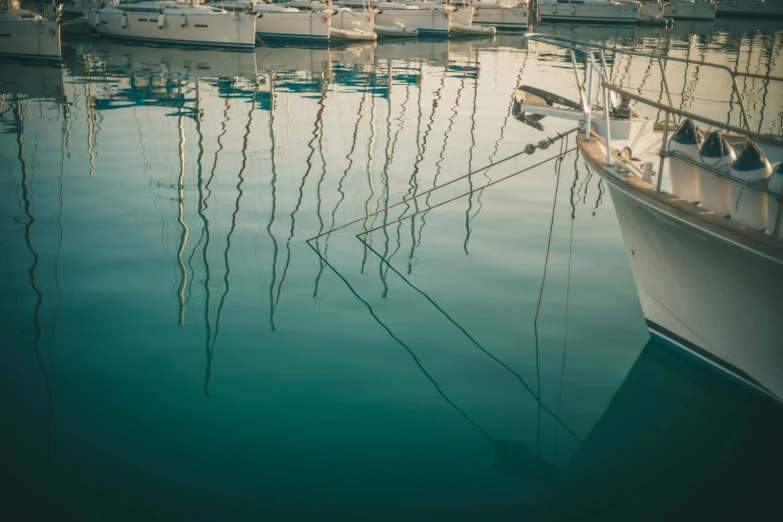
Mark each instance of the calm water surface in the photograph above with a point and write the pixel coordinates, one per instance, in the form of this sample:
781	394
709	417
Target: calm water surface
174	349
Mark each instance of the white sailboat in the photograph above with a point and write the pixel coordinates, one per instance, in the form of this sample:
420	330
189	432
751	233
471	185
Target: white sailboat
496	14
426	22
24	34
278	22
461	16
345	23
171	22
709	283
690	10
596	11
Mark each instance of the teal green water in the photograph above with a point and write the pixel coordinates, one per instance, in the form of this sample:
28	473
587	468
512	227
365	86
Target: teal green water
174	349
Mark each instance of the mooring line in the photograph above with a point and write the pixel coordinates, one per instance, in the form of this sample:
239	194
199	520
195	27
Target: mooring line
530	148
559	155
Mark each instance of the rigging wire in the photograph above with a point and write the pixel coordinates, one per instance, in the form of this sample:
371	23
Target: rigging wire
530	148
471	191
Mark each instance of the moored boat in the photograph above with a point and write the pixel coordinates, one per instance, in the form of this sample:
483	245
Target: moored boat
178	23
276	22
594	11
24	34
400	19
428	22
494	14
344	22
459	14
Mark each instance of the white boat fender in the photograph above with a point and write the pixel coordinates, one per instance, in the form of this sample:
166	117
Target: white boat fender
774	205
183	20
748	205
97	19
716	153
124	21
161	21
684	176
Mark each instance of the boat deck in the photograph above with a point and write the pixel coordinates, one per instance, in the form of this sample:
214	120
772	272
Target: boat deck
629	181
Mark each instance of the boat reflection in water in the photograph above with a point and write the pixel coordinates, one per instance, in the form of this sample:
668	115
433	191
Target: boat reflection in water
173	347
673	440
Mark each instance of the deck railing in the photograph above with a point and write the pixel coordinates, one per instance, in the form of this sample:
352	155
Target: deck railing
609	89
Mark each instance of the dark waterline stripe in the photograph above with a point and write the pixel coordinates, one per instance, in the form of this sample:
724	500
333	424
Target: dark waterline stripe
717	361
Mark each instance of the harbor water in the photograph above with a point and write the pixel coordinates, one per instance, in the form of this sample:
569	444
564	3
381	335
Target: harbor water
176	347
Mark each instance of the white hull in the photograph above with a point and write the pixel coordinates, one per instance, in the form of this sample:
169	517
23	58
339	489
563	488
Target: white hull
690	10
353	25
705	292
302	25
751	8
429	22
462	16
472	30
352	34
652	11
502	17
37	39
597	13
353	20
225	31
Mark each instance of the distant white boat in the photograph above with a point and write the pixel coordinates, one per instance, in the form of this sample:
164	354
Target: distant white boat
345	23
494	14
459	14
427	22
596	11
175	23
690	10
24	34
279	22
